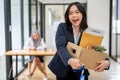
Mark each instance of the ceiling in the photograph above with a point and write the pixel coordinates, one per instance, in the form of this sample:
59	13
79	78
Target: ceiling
61	1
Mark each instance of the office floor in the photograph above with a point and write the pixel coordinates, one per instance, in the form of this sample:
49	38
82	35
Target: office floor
38	75
111	74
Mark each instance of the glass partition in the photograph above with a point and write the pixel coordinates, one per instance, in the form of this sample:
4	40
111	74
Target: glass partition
54	14
26	26
114	30
16	32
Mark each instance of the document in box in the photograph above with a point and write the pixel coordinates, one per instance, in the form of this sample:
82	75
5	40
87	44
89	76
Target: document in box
95	31
92	37
87	57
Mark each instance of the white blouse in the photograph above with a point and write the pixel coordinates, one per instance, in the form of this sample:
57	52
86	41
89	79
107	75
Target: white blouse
29	44
76	37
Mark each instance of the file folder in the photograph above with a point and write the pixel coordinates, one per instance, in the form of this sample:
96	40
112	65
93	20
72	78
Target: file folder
90	39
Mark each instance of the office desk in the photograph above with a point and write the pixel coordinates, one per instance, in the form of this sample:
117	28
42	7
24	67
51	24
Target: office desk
28	53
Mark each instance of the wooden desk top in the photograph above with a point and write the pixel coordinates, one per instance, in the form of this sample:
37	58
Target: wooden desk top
30	52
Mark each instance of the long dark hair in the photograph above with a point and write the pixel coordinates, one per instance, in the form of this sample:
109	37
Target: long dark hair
80	7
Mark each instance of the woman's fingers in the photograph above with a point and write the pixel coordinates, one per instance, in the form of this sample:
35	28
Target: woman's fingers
75	63
102	65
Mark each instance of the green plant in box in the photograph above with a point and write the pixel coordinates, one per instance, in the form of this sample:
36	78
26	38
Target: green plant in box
99	48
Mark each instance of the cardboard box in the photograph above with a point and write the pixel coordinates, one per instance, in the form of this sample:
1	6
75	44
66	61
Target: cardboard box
87	57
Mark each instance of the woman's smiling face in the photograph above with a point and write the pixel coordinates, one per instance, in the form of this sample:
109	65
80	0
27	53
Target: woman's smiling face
35	36
75	16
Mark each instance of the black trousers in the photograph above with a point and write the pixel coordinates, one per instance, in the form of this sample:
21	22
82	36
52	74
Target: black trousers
72	76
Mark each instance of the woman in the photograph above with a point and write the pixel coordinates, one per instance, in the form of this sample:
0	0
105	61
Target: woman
35	42
62	64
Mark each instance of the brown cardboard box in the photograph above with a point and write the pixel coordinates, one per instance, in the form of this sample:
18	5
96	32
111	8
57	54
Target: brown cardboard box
87	57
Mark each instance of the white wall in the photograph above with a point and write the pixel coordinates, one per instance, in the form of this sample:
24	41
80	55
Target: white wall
2	43
98	17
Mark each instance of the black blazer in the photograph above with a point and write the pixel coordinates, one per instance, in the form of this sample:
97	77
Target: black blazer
59	63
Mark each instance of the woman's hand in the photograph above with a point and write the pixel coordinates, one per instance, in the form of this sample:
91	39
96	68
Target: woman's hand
102	65
33	48
74	63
